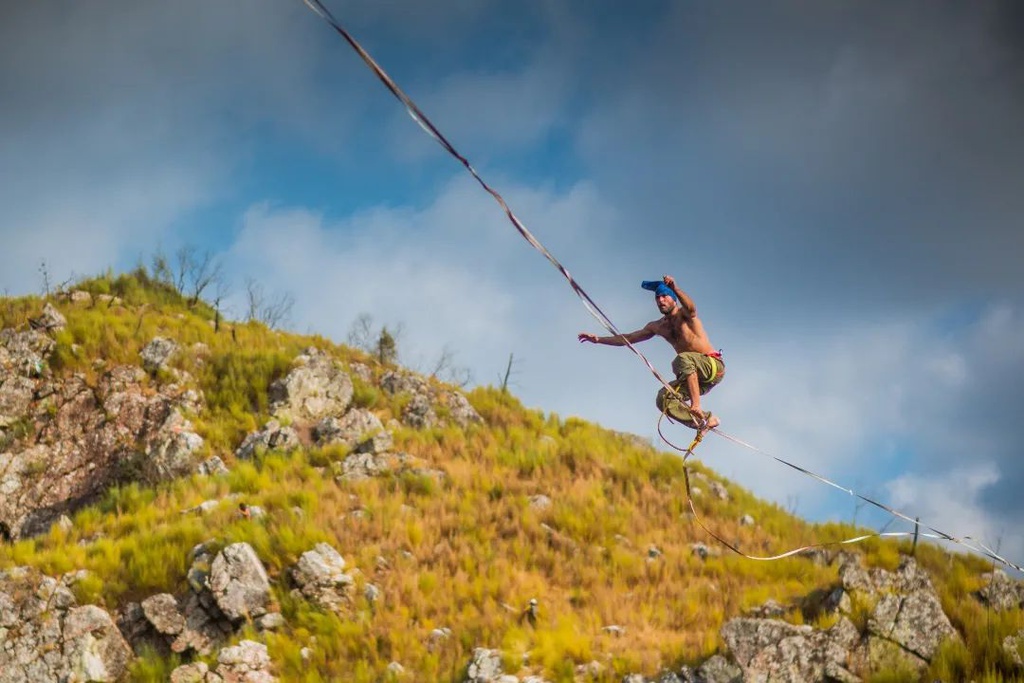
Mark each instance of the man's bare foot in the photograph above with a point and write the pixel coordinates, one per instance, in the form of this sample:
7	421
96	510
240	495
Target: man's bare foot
712	422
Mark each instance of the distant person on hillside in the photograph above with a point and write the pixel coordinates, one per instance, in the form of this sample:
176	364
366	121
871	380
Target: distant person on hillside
698	366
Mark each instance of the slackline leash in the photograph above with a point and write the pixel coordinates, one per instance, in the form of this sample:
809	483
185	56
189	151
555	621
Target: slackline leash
965	541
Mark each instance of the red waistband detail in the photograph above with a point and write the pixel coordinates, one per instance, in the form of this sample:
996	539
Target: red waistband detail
714	354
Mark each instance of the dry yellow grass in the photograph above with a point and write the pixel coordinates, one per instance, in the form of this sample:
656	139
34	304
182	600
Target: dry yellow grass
458	553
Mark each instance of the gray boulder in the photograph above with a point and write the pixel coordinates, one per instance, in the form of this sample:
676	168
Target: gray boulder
1002	593
239	582
212	466
162	612
422	409
718	669
172	450
359	466
915	622
199	672
320	577
315	389
459	409
358	429
247	662
158	353
49	319
273	437
771	650
419	412
1013	646
485	667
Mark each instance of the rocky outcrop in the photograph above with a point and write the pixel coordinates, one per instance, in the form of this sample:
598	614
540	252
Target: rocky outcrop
905	628
315	389
223	589
65	441
485	666
359	430
157	354
716	669
1002	593
49	320
189	623
46	636
22	362
273	437
320	577
426	401
767	649
247	662
907	623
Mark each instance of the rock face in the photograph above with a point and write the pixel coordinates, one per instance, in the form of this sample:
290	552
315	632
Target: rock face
46	636
320	577
315	389
63	442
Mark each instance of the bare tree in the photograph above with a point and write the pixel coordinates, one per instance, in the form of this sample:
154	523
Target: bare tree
198	273
44	271
381	343
446	370
361	335
508	374
221	291
183	260
272	312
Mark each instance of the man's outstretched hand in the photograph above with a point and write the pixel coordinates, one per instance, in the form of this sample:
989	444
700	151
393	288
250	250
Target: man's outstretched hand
587	337
669	280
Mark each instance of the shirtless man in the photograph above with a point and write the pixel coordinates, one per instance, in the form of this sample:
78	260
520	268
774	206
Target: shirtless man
698	366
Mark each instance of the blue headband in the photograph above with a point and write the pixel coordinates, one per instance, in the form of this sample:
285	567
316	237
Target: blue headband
659	288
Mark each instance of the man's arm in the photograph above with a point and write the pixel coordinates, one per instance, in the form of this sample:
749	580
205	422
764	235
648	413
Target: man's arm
684	299
640	335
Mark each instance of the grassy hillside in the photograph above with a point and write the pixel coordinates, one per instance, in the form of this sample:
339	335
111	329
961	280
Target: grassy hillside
613	548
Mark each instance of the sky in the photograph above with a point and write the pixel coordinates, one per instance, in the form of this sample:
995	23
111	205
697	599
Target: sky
839	187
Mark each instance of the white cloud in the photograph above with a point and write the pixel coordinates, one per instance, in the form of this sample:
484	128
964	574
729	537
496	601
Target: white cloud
948	501
454	273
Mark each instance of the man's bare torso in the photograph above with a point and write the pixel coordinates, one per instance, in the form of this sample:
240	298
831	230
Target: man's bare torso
684	332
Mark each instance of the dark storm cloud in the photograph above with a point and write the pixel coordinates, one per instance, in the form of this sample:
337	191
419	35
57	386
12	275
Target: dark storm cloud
118	118
871	149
